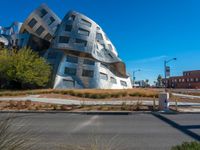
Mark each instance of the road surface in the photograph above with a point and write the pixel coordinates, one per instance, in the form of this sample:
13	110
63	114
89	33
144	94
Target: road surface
138	131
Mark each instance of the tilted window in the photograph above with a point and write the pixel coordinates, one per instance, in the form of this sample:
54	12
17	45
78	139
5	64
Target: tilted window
81	42
113	80
68	28
72	59
43	12
83	32
85	22
32	23
51	20
123	83
103	76
88	62
39	30
70	71
48	37
69	83
99	36
63	39
88	73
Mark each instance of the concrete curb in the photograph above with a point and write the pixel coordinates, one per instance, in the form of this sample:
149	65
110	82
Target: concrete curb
102	112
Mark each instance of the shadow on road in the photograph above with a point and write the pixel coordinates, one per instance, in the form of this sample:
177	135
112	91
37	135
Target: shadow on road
182	128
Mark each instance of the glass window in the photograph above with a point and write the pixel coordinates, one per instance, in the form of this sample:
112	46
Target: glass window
70	71
68	83
103	65
123	83
51	20
72	17
103	76
83	32
63	39
48	37
68	28
81	42
113	80
110	47
85	22
88	62
99	36
43	12
39	30
32	23
110	55
87	73
71	59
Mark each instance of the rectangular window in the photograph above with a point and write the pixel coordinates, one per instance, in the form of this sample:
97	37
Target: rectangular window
87	73
51	20
88	62
68	28
32	23
68	83
104	65
85	22
43	12
110	47
99	36
70	71
83	32
72	59
72	17
63	39
110	55
39	30
123	83
48	37
103	76
113	80
81	42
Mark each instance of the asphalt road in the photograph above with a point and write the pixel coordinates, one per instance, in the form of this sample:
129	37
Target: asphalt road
138	131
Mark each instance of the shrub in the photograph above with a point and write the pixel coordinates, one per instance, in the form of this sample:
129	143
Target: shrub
23	69
187	146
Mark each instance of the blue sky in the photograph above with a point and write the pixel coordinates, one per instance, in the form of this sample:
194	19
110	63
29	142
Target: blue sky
145	32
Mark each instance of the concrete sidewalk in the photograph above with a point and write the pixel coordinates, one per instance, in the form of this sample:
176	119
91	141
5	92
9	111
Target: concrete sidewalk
35	98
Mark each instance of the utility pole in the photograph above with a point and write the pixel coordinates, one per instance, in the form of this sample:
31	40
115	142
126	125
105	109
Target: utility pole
134	75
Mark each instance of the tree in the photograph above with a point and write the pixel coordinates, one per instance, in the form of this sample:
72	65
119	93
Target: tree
23	68
159	81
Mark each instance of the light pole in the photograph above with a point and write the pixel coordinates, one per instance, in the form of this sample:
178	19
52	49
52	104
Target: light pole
165	66
134	75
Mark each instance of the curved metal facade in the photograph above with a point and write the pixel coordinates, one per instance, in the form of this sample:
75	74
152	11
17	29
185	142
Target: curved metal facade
89	59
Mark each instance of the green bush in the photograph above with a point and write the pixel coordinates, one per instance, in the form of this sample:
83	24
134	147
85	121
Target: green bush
22	69
187	146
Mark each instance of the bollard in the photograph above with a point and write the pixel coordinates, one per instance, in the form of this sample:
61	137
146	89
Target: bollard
164	101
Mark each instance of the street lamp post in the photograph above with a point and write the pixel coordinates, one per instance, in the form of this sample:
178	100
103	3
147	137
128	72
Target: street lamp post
165	66
134	75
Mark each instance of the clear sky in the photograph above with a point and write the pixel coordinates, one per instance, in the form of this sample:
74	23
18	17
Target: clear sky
145	32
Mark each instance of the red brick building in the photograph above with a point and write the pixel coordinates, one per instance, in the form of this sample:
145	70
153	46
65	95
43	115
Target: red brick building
190	79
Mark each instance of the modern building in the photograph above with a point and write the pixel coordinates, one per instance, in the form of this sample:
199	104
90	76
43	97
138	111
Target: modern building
81	54
189	79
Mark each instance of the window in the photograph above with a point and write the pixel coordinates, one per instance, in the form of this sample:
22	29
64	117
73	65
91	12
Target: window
32	23
43	12
191	79
113	80
197	79
68	28
99	36
39	30
63	39
103	76
72	59
123	83
110	47
72	17
83	32
51	20
98	28
110	55
103	65
81	42
48	37
70	71
183	80
68	83
87	73
88	62
85	22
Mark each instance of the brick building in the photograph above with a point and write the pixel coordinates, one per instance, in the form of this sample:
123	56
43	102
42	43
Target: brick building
190	79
